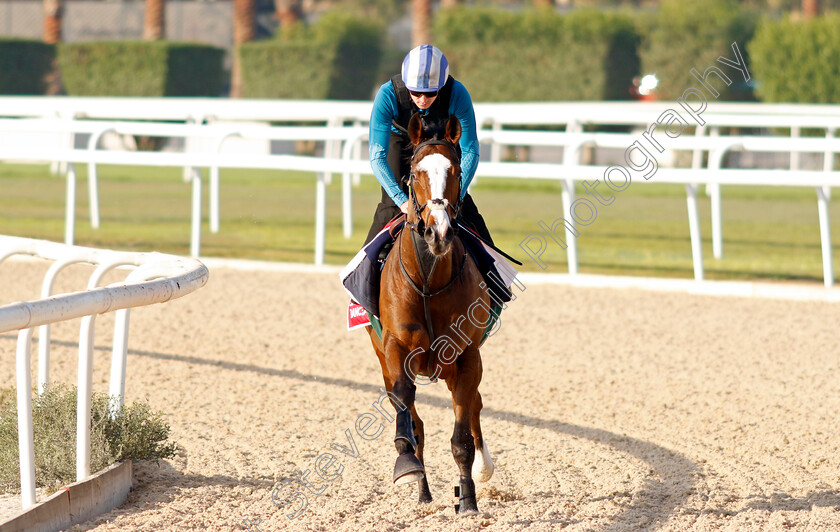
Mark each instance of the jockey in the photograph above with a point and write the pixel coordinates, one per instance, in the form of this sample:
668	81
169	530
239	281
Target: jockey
424	86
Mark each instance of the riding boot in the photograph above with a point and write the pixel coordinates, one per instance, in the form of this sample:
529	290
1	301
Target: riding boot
470	215
383	253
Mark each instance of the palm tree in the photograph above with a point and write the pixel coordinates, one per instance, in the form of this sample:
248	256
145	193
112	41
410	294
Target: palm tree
287	12
154	25
244	27
421	30
53	14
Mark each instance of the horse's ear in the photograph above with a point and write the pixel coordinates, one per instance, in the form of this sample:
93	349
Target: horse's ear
453	129
415	128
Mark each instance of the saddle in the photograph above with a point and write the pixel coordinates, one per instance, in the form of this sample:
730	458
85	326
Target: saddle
360	278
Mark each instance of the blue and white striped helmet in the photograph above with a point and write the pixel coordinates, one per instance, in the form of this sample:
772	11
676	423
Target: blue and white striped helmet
425	69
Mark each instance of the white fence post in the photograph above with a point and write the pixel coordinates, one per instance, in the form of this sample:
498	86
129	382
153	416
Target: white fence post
320	218
195	224
70	215
26	444
823	199
83	397
694	230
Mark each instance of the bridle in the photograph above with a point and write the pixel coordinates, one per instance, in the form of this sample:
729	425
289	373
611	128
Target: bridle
418	209
424	290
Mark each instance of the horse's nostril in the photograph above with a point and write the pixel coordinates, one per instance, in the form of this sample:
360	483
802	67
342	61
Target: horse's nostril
450	234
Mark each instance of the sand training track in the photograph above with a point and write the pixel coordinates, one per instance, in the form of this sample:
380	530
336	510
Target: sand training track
605	409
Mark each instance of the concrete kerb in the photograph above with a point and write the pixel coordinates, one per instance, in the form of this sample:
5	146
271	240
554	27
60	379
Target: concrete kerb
76	503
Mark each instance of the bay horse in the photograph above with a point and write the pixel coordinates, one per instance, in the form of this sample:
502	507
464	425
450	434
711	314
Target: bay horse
428	284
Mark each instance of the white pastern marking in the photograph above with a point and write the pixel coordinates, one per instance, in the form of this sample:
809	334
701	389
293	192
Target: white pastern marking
436	167
483	467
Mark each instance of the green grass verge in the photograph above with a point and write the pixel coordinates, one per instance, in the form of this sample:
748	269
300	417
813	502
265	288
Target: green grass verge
769	233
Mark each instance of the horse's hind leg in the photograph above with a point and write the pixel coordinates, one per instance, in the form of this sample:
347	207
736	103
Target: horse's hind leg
464	393
419	433
482	468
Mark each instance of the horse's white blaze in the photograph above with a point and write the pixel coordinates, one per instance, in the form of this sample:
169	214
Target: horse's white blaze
436	167
483	467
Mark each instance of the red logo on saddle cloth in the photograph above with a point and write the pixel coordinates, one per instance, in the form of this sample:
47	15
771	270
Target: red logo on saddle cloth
356	316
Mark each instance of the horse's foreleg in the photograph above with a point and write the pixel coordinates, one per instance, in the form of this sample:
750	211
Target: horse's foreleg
408	467
463	445
482	468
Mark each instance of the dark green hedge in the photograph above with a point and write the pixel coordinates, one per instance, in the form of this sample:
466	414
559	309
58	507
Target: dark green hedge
539	55
24	65
690	34
146	68
336	58
798	60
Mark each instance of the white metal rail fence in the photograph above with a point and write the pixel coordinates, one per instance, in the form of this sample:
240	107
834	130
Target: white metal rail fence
156	278
206	124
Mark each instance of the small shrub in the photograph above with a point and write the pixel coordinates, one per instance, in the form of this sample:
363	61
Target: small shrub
687	34
24	65
144	68
539	55
335	58
797	60
135	432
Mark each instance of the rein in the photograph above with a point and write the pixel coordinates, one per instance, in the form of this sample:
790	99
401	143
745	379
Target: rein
424	290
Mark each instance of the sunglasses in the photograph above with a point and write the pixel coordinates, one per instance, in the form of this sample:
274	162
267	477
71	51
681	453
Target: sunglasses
428	95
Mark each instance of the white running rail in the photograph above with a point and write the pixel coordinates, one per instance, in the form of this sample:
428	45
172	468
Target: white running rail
340	126
157	278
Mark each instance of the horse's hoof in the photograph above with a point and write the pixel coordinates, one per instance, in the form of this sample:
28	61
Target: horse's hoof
465	508
466	497
466	505
425	492
408	469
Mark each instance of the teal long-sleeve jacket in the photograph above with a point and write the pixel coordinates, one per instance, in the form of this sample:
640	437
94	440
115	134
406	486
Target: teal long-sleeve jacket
386	109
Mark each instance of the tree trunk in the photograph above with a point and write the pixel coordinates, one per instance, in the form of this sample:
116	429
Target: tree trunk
53	11
154	24
810	8
421	30
288	13
53	15
244	27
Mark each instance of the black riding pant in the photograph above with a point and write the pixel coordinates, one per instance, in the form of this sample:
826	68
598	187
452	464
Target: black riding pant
399	160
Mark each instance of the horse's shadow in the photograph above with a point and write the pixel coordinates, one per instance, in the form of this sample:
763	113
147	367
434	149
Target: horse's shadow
661	493
670	484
